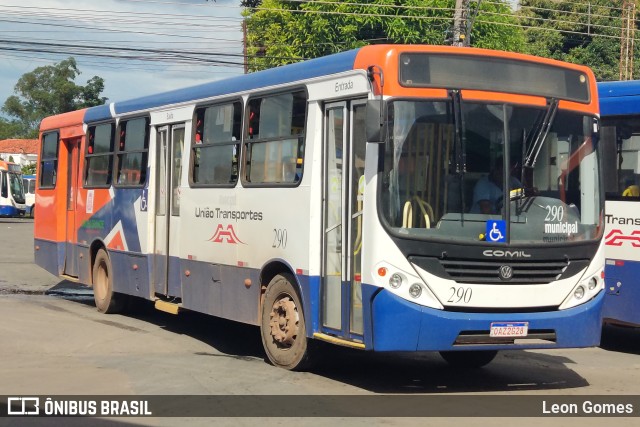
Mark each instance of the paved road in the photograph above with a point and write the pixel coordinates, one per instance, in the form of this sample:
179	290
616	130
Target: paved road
58	344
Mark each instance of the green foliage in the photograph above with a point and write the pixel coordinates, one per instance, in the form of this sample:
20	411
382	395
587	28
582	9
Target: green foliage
29	169
586	33
281	32
47	91
9	129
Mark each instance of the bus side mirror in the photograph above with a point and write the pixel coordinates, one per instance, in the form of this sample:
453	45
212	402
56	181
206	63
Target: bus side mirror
375	121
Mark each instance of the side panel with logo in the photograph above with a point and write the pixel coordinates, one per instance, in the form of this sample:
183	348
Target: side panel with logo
622	268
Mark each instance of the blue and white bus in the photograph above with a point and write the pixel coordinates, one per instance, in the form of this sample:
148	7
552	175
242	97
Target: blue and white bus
620	139
338	200
12	202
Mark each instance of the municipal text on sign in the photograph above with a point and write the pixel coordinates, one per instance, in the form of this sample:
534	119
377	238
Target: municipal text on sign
509	329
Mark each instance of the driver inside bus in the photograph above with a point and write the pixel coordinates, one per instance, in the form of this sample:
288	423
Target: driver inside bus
487	194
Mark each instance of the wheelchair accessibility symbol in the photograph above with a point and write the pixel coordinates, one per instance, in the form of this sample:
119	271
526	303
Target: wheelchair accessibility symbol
144	200
496	231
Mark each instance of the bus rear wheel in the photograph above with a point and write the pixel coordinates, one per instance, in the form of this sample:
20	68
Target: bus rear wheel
107	301
469	359
282	325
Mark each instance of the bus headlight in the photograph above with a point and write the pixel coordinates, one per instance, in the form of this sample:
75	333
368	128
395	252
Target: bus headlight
404	284
395	281
415	290
584	291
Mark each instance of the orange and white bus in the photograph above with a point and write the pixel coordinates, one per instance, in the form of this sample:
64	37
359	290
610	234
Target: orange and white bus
354	199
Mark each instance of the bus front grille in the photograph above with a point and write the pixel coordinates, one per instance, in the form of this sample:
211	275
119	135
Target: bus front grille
488	272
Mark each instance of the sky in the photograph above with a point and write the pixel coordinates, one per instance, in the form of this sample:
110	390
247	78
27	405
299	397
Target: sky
145	46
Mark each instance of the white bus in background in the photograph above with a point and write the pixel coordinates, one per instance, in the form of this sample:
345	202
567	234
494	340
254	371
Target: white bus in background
29	184
12	202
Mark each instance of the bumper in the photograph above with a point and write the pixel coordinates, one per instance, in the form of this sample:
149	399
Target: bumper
399	325
10	211
622	293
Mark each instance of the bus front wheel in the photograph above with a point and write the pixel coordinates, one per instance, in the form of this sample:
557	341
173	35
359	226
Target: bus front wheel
469	359
107	301
282	325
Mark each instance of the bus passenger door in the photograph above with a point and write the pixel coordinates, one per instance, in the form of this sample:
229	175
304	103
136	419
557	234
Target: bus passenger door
344	149
169	145
72	147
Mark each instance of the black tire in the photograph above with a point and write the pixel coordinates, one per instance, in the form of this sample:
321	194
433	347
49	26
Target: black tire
283	327
469	359
107	301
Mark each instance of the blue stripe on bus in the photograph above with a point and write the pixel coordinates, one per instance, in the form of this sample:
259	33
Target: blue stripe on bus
128	279
331	64
619	98
399	325
47	255
98	114
10	211
618	89
620	303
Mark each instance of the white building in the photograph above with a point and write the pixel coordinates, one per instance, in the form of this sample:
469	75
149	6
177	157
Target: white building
22	151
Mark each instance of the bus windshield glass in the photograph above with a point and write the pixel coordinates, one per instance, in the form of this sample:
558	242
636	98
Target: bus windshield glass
446	164
16	187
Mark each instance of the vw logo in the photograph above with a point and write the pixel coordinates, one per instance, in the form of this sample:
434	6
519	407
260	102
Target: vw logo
506	272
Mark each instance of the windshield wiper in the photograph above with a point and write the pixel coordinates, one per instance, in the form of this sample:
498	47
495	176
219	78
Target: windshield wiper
460	141
541	134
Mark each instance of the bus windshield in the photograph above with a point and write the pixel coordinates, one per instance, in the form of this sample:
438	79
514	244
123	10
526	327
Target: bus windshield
446	164
16	187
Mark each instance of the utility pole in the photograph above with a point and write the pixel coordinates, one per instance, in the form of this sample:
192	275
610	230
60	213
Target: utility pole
460	23
626	39
244	45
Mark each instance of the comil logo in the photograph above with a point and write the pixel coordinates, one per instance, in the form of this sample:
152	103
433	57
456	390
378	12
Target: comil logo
506	254
227	235
23	406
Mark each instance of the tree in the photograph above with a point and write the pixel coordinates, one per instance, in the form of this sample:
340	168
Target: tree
29	169
9	129
585	33
47	91
281	32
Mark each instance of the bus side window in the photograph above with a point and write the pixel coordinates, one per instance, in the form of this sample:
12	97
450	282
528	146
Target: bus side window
621	144
49	160
99	155
216	145
133	151
275	144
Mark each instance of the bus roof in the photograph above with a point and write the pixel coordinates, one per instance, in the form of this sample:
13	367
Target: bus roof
70	119
331	64
619	98
99	113
10	166
359	58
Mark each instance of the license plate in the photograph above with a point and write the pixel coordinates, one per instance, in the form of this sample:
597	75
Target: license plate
509	329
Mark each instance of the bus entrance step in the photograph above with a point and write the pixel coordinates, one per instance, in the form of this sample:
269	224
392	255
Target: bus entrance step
168	307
